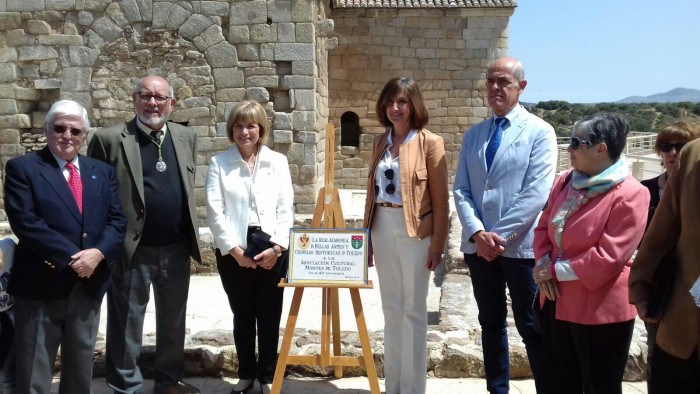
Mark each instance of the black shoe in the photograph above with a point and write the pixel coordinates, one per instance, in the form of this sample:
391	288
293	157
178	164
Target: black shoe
176	388
244	390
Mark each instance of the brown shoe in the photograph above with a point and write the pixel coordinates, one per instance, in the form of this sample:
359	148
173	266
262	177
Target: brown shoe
176	388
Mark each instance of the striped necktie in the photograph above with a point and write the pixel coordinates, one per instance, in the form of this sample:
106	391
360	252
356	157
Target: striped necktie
495	141
75	185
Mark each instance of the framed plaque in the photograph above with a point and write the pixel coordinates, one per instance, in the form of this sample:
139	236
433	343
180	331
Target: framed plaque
328	256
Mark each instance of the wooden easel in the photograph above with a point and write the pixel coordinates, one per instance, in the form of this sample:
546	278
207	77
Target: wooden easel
327	208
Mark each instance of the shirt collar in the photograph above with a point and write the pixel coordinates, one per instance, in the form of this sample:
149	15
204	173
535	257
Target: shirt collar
409	137
62	163
147	130
512	114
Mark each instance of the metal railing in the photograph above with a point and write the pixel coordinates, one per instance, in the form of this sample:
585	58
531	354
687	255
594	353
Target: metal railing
639	150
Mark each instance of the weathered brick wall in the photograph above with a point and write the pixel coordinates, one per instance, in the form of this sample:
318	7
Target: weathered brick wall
445	50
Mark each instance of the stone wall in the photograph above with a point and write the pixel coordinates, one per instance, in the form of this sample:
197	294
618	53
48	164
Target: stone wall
445	50
305	60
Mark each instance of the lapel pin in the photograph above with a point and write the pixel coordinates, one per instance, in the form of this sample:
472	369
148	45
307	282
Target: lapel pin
94	177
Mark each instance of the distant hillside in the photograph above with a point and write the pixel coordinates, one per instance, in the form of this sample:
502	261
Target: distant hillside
677	95
642	117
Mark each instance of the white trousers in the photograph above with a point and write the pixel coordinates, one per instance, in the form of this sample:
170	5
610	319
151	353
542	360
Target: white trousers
403	284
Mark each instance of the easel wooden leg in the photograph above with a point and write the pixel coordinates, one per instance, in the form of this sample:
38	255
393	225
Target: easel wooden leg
326	327
287	341
335	305
364	340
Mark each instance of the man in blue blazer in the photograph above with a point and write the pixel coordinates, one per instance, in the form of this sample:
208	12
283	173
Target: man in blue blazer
504	174
64	209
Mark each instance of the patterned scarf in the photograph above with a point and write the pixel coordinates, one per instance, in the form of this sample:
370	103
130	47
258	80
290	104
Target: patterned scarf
584	188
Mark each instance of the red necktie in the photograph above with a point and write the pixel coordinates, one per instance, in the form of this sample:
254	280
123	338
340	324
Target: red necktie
76	187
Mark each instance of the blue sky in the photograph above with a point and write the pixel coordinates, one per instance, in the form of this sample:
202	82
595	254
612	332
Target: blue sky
586	51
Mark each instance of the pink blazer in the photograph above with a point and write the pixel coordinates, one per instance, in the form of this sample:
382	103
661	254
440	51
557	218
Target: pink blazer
599	239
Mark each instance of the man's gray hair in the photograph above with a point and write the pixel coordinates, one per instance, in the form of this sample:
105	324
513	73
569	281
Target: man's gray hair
518	68
137	88
67	107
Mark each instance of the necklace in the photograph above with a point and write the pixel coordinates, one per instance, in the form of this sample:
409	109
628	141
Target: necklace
157	138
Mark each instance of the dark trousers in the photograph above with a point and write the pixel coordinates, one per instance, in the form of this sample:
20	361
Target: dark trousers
673	374
255	300
585	358
489	281
167	268
41	326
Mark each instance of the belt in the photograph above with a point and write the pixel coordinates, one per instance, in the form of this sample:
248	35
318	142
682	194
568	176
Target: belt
389	205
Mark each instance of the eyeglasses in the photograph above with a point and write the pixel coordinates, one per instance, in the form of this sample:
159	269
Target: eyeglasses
146	97
390	188
667	146
576	142
60	129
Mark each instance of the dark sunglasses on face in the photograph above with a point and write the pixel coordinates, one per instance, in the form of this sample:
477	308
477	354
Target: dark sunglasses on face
576	143
667	146
390	188
60	129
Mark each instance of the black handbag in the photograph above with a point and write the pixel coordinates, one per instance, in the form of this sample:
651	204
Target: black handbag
257	241
664	279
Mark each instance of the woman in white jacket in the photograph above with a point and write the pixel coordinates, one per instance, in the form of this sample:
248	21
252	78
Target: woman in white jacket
249	193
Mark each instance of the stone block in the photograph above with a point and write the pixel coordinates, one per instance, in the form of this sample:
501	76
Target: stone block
8	54
38	119
304	120
281	120
228	77
10	21
216	8
238	34
325	28
22	93
82	56
305	32
286	32
221	55
248	52
161	14
60	39
130	10
296	51
303	99
107	29
267	52
258	94
38	27
18	37
194	26
213	35
9	72
178	16
230	94
146	9
279	11
248	12
297	82
186	114
17	121
37	52
94	40
48	83
266	81
263	33
303	11
9	136
25	5
8	107
282	136
308	137
76	79
116	13
303	67
86	18
48	67
60	5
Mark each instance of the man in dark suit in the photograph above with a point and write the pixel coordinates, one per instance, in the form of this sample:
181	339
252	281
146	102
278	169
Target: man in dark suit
155	162
65	211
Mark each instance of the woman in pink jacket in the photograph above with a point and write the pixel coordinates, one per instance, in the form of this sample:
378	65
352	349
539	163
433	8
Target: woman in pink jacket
584	242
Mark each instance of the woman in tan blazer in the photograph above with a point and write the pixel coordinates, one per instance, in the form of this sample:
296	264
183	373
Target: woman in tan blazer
407	213
675	227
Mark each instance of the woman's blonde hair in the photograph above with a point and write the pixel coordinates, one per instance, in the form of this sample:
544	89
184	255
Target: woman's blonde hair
248	111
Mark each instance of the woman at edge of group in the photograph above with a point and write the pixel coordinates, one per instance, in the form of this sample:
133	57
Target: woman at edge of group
250	186
668	145
407	212
584	242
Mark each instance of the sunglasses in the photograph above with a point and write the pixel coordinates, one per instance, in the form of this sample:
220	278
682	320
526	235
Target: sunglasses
390	188
146	97
576	143
60	129
667	146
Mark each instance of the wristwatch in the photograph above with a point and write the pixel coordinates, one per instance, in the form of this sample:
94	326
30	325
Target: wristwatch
277	249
